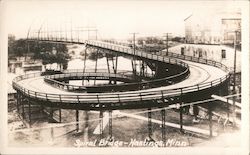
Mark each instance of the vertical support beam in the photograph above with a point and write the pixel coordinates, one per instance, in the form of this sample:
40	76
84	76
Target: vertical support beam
110	123
86	123
86	126
108	66
60	115
181	113
116	63
17	101
101	121
51	114
115	67
181	117
149	123
96	64
140	67
133	67
143	68
29	112
107	62
210	120
23	110
60	110
84	67
234	78
77	120
163	127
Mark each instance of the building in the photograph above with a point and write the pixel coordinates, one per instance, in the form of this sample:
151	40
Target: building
213	27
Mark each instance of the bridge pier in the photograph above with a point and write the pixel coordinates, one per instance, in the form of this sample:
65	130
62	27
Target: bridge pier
85	126
110	123
181	118
60	115
163	126
133	62
17	101
108	65
51	114
22	104
114	65
77	120
101	121
96	60
29	111
210	120
150	123
84	64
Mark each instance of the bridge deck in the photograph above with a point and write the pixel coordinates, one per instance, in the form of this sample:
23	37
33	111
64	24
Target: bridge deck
202	77
199	73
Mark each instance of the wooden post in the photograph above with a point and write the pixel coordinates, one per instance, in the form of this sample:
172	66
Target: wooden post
77	120
181	117
17	101
84	65
51	114
86	130
29	113
163	127
60	115
149	123
96	65
22	103
210	120
110	123
101	122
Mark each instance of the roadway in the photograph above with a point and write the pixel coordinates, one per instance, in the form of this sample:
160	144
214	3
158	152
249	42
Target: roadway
199	73
203	75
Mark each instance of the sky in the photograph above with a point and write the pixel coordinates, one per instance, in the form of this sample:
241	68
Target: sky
113	19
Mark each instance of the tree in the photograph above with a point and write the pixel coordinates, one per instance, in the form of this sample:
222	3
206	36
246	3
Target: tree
62	56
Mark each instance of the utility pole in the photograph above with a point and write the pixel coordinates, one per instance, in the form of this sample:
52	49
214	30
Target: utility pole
71	29
133	60
134	40
167	35
234	77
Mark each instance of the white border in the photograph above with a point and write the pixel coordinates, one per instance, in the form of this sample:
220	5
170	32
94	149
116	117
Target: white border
244	149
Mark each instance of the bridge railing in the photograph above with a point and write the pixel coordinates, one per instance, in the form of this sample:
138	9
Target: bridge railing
142	54
111	97
200	60
127	97
159	57
118	97
54	81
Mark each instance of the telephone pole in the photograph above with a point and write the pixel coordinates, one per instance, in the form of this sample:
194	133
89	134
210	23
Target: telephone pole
234	72
234	77
133	60
134	41
167	36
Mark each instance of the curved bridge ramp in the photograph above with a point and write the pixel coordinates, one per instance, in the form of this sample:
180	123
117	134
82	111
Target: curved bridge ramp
206	77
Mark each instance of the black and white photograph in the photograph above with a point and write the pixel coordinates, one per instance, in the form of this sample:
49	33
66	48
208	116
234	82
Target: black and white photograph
124	77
